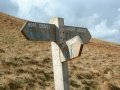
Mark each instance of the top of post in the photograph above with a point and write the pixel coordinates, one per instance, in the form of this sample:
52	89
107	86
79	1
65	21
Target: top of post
60	35
58	21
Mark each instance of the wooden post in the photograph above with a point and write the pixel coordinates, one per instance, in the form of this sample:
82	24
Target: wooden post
60	69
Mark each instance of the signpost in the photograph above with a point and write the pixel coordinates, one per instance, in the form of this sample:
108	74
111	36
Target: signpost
66	43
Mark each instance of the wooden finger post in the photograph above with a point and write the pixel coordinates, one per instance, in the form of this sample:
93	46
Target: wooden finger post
66	43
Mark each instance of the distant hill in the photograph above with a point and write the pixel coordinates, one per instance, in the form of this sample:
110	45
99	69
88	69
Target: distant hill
27	65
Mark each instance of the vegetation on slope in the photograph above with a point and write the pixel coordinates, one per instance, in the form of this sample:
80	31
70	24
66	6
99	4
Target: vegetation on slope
27	65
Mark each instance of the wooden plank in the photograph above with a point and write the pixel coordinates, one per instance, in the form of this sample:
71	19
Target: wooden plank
60	69
70	49
49	32
61	78
39	31
74	31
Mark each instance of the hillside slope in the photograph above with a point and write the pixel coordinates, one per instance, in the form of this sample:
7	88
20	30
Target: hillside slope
27	65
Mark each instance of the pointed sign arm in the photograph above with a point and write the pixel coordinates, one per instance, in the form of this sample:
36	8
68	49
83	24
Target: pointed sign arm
38	31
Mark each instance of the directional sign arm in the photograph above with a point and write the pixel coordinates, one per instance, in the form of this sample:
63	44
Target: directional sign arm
38	31
71	31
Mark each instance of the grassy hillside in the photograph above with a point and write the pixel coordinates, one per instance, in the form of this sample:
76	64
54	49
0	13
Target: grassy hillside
27	65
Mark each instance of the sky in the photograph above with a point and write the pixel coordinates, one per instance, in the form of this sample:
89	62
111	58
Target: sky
101	17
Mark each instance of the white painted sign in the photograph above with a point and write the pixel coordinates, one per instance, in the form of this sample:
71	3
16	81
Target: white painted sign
70	49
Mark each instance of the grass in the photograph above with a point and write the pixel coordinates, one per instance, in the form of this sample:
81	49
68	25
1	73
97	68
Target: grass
27	65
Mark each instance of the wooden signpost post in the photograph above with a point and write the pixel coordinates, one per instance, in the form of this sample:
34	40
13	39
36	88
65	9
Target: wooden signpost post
66	43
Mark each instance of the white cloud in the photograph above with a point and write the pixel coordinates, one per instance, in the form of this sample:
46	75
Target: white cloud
119	9
25	7
116	23
89	21
105	32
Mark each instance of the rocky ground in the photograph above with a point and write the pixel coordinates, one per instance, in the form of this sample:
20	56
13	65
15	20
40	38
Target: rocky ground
27	65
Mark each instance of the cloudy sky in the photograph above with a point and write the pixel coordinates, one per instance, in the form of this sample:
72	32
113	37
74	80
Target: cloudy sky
101	17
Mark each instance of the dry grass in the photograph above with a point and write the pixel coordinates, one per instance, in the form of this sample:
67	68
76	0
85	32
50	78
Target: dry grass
27	65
